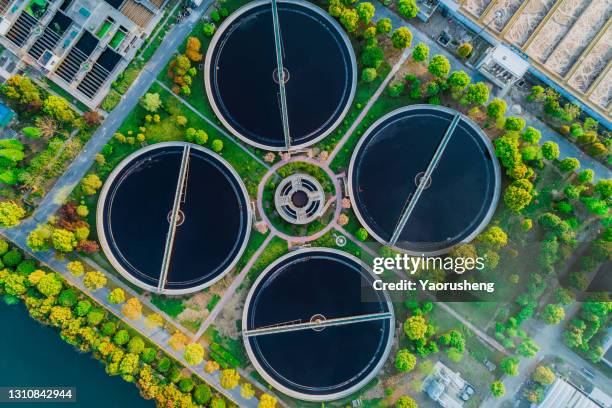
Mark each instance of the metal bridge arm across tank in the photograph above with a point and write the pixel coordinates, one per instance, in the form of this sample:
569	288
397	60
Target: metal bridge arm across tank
280	69
423	182
176	206
339	321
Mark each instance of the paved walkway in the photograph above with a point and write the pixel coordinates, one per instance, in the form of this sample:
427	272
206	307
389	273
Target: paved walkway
81	165
158	335
566	147
316	235
231	290
214	125
368	105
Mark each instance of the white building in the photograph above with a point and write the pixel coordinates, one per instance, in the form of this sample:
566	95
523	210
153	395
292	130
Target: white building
502	66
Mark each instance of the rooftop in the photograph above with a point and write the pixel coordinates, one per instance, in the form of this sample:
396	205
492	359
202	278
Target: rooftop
564	395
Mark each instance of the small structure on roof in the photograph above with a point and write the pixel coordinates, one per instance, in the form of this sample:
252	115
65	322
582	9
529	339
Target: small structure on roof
446	387
502	66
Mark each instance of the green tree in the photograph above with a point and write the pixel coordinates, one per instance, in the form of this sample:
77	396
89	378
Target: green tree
415	327
136	345
349	19
63	240
543	375
116	296
209	29
420	52
365	11
586	176
10	214
405	361
151	102
564	296
202	394
58	107
498	389
368	75
121	337
514	124
372	56
496	108
361	234
401	38
32	132
495	237
569	164
553	314
407	8
217	145
550	150
528	348
517	198
510	366
194	354
90	184
604	188
384	26
439	66
531	135
458	81
477	94
49	285
405	402
465	50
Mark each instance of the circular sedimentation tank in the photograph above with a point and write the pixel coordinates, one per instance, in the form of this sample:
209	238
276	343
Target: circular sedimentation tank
314	327
422	185
242	81
173	184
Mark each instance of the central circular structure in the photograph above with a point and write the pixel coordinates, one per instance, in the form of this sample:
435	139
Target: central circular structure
173	217
314	327
299	198
395	196
242	74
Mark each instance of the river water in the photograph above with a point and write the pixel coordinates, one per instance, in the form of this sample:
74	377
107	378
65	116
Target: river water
34	355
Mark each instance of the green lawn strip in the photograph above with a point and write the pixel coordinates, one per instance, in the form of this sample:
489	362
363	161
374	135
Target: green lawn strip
170	305
64	94
250	170
275	249
255	241
363	94
382	106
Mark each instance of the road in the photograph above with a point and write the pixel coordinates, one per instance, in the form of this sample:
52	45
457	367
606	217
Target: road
81	165
566	147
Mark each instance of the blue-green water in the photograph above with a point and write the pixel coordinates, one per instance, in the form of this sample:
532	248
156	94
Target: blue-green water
34	355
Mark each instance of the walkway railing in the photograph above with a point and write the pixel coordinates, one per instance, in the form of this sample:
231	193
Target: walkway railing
317	324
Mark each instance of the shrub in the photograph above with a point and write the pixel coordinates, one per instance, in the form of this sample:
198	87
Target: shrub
217	145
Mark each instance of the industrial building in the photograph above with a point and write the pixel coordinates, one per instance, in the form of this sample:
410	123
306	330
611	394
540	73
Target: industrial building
82	45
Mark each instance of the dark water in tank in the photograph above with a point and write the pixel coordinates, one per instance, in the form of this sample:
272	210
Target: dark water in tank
319	82
326	361
214	218
462	184
137	209
214	227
